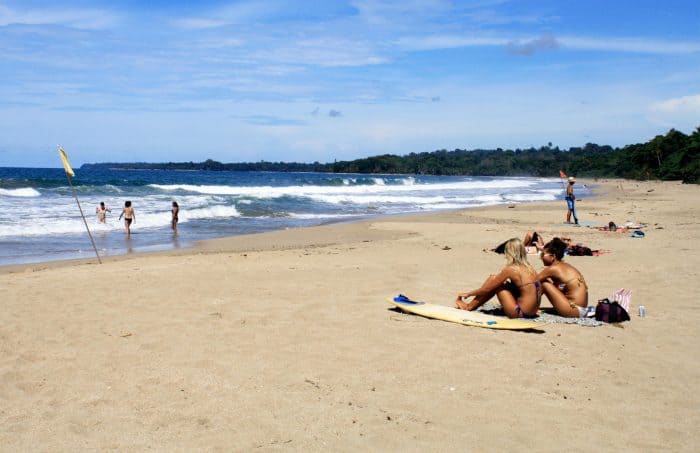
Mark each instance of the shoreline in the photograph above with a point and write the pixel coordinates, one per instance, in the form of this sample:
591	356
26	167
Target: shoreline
285	340
193	246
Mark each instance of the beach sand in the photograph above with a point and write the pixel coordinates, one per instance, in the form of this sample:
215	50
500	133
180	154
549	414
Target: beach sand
285	341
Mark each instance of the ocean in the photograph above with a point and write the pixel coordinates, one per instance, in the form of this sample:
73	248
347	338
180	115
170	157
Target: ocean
40	221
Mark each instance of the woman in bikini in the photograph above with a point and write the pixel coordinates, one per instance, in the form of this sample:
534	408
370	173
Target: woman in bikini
515	286
129	216
175	213
561	282
533	242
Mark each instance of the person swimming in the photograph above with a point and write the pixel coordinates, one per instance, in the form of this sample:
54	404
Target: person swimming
562	283
515	286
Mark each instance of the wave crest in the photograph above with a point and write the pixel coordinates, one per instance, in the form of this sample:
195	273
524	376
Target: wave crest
24	192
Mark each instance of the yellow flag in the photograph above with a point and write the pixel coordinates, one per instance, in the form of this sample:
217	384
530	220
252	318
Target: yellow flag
66	165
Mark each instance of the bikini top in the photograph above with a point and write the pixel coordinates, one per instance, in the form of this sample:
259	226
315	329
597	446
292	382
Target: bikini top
578	279
535	282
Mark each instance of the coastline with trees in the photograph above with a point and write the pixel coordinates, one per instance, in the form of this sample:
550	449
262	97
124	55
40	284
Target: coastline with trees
673	156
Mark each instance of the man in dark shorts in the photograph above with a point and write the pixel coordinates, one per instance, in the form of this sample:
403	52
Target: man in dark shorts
571	201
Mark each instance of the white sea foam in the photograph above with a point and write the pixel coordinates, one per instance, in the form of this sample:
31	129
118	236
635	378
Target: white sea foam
211	212
376	199
23	192
44	227
263	192
61	215
38	218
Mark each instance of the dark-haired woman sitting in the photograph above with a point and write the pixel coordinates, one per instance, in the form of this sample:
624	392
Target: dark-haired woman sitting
562	283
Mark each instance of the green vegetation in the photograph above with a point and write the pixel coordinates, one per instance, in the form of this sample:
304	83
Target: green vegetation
674	156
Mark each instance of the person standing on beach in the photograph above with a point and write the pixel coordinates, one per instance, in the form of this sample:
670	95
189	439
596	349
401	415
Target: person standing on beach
129	216
571	201
175	211
101	212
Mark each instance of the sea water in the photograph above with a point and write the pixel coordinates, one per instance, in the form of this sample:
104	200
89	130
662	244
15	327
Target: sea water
40	221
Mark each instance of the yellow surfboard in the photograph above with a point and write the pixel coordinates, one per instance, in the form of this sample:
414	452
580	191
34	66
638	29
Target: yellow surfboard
467	318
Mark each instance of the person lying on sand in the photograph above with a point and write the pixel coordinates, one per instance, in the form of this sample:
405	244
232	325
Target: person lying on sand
515	286
533	242
562	283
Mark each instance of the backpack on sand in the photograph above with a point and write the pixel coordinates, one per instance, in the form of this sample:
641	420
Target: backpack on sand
607	311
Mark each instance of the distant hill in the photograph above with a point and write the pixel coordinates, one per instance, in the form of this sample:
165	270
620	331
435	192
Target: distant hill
674	156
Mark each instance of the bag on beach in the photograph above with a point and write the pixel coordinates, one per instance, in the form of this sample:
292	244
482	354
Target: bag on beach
624	297
607	311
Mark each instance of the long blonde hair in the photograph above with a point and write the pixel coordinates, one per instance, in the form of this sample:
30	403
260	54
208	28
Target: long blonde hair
516	254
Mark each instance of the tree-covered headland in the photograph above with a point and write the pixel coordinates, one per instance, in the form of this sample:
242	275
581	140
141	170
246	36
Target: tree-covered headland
674	156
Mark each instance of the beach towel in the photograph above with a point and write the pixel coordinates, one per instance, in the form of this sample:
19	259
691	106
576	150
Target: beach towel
623	297
546	315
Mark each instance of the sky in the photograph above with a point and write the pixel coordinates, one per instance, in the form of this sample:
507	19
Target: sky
325	80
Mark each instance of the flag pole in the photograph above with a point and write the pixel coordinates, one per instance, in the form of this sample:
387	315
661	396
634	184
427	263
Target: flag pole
69	172
562	175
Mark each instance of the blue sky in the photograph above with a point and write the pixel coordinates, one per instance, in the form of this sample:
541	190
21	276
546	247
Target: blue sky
324	80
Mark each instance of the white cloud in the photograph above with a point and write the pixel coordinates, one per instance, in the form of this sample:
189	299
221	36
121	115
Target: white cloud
680	113
490	17
330	52
684	104
238	13
635	45
416	43
387	11
89	19
199	23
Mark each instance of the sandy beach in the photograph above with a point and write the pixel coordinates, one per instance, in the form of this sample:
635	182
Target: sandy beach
285	341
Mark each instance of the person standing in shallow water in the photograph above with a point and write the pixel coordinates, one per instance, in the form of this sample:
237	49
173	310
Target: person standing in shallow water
129	216
175	212
571	201
101	212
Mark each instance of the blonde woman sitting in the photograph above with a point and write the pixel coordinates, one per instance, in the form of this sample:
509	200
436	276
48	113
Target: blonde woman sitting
515	286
